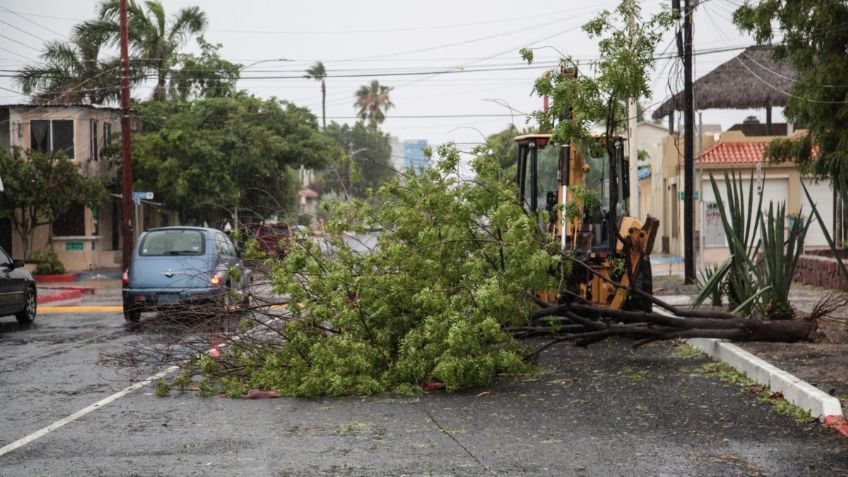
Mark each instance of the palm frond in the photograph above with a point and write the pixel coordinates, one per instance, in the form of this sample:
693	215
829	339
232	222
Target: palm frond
317	71
187	21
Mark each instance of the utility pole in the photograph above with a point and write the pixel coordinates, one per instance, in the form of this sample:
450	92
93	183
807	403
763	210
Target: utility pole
703	215
126	145
688	149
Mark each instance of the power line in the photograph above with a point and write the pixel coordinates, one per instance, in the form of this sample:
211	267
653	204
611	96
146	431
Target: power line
432	116
465	42
390	30
24	31
34	23
15	53
19	42
371	72
356	75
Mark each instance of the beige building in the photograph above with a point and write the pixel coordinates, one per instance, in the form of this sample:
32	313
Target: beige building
663	181
83	238
742	154
739	150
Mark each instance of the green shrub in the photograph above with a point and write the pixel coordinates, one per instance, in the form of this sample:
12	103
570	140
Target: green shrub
304	219
47	263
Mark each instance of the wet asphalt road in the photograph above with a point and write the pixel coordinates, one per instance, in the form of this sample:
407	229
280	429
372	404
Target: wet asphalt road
606	410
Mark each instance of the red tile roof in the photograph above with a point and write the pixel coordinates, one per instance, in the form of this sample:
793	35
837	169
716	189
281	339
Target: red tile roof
734	153
308	193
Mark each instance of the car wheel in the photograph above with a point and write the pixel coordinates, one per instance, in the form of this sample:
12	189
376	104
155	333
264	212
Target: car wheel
27	315
132	313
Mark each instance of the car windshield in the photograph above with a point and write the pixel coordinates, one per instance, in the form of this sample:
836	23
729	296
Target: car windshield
173	242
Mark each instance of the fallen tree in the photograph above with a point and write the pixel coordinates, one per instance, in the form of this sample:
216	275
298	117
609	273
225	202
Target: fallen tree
584	323
446	296
443	299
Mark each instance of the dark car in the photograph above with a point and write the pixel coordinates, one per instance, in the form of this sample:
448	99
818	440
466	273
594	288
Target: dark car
178	266
17	290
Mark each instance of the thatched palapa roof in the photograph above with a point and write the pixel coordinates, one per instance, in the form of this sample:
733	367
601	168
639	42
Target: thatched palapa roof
751	80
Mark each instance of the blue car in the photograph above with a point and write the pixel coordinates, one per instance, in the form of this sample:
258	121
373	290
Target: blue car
178	266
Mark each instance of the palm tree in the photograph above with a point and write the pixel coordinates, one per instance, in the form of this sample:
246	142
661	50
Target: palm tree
372	102
71	73
318	73
154	40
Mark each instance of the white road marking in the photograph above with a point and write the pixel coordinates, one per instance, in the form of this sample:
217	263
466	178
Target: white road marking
103	402
82	412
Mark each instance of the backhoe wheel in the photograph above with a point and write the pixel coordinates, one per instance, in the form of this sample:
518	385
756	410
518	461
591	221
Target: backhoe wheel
643	281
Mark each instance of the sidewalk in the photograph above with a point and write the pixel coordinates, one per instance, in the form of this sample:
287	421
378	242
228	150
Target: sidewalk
811	375
72	288
666	265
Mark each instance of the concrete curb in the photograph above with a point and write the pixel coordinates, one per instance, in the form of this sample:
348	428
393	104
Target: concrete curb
61	295
818	403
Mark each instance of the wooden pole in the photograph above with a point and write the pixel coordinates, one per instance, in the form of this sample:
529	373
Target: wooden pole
688	151
126	145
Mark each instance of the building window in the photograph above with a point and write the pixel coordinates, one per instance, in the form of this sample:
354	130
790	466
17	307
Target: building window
48	135
40	136
93	140
107	134
71	223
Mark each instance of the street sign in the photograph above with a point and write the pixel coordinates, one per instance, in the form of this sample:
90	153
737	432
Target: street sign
682	195
142	195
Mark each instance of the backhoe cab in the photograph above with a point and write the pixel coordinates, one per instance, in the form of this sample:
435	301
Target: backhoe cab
583	191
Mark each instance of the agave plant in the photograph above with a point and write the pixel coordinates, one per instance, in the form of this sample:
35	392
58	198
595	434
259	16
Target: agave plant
781	249
738	275
747	280
705	277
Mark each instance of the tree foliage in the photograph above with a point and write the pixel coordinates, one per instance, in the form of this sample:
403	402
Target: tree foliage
430	304
372	102
206	158
581	103
501	147
39	187
813	39
318	73
366	163
72	72
155	40
204	76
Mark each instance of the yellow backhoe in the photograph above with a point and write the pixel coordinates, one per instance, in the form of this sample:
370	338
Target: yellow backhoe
583	189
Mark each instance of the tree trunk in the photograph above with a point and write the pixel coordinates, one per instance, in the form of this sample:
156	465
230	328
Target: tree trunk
323	105
159	92
585	324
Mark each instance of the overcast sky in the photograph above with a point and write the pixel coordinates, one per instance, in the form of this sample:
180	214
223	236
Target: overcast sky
454	65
